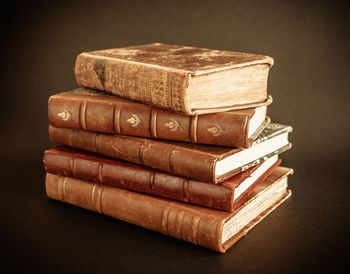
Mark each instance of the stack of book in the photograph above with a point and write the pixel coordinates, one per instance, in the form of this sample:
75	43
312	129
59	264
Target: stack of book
175	139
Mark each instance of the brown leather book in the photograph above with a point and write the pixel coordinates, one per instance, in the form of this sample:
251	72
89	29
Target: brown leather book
183	79
204	163
211	228
227	195
87	109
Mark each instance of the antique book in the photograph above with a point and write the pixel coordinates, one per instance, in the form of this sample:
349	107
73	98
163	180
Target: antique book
183	79
204	163
211	228
227	195
90	110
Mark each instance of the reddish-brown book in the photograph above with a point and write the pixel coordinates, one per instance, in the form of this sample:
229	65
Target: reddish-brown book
203	163
183	79
227	195
90	110
208	227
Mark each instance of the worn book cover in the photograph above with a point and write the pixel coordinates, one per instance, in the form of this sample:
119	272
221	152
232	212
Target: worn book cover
183	79
211	228
91	110
205	163
227	195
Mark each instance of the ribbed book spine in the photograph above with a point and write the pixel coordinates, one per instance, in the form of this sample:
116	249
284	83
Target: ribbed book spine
83	109
142	210
80	165
199	225
160	155
136	81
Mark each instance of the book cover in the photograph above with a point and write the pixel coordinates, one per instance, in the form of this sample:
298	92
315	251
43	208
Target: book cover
204	163
90	110
227	195
211	228
183	79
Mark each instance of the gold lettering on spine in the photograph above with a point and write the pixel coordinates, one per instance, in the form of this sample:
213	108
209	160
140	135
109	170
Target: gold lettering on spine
134	120
64	115
173	125
216	130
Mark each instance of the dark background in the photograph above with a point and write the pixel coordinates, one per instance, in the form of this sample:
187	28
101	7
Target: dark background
310	86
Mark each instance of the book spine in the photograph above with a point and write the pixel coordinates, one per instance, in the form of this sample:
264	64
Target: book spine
146	211
149	84
147	152
135	119
139	179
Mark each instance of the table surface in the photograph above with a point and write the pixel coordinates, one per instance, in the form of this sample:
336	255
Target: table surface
309	84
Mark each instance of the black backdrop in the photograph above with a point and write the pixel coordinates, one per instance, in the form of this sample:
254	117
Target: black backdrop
309	84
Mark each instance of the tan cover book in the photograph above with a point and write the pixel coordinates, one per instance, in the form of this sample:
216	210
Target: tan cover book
211	228
183	79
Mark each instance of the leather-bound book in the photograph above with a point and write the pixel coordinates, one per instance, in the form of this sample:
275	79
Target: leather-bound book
204	163
90	110
183	79
211	228
227	195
